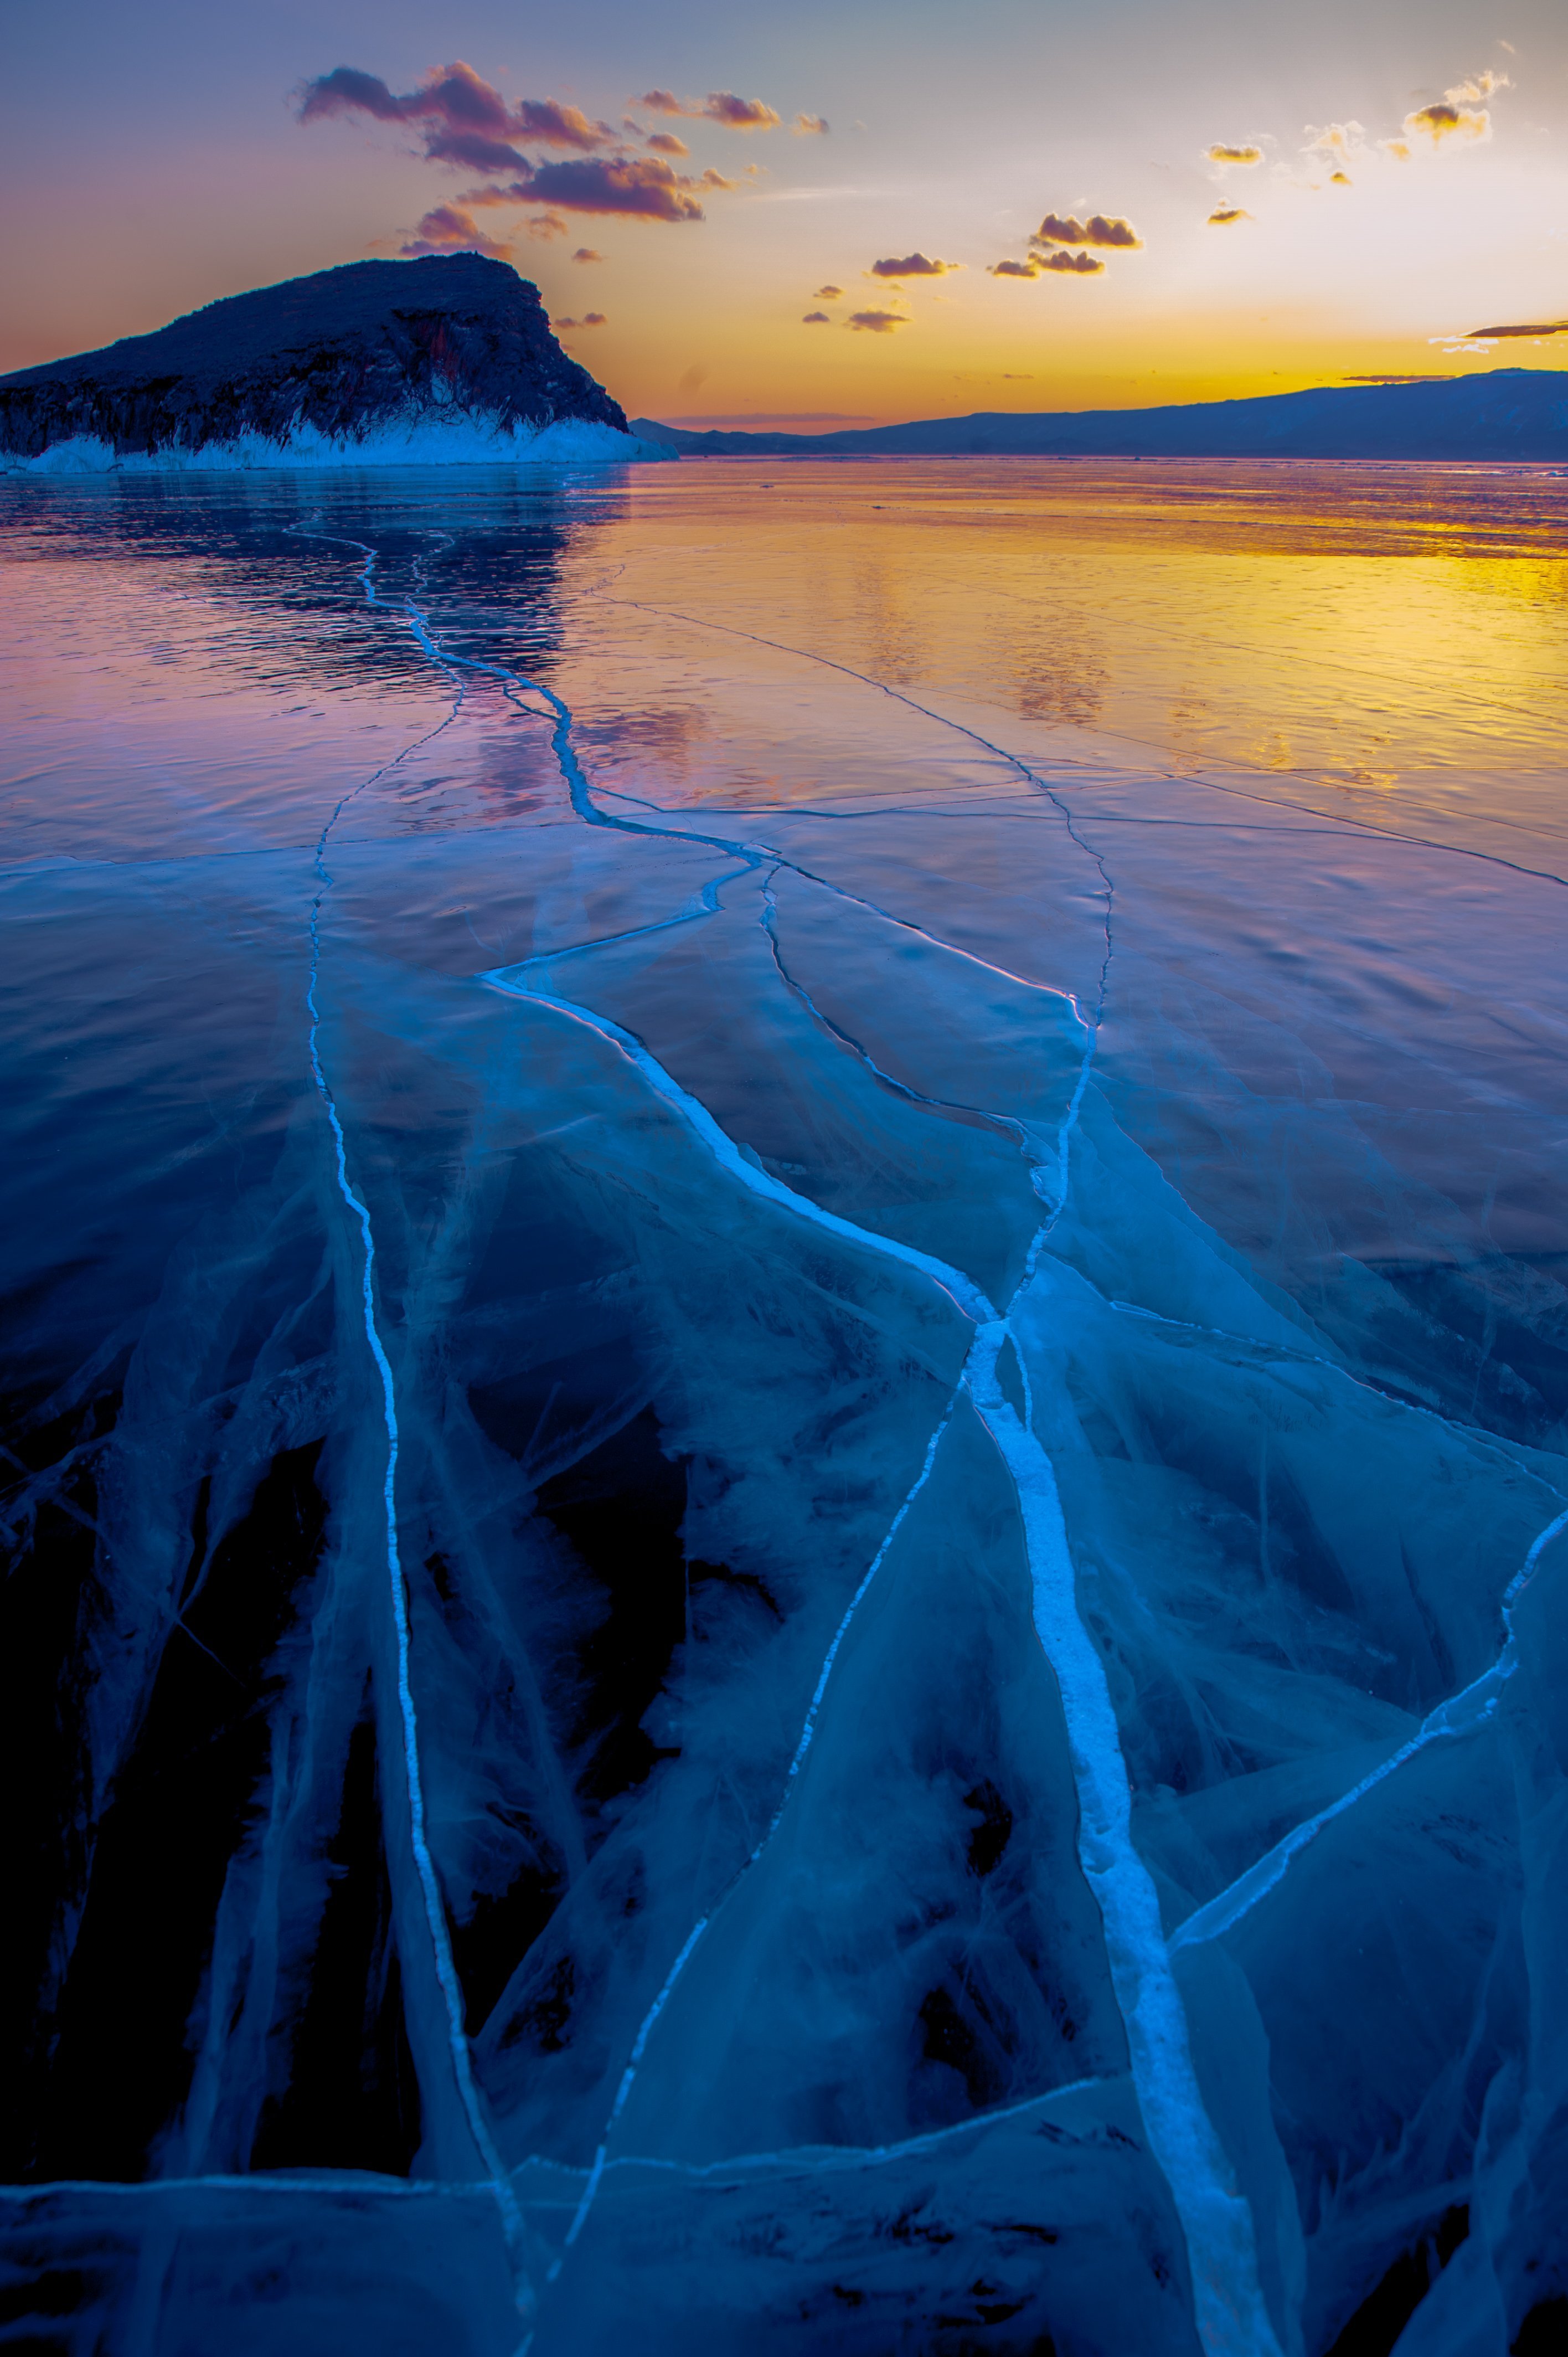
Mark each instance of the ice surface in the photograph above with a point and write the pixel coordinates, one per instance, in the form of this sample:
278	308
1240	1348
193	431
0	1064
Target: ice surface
432	437
786	1424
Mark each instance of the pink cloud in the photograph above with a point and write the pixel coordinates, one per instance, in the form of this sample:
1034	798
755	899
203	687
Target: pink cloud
912	265
643	185
721	106
1095	231
448	228
464	119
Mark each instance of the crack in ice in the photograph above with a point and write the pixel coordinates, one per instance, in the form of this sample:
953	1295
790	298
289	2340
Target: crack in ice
1466	1712
1216	2221
424	1864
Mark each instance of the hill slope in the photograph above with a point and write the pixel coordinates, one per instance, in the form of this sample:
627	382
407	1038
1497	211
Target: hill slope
1508	413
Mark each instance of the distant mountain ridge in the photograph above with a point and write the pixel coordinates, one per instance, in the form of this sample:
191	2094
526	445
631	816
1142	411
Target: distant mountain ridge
1498	413
448	357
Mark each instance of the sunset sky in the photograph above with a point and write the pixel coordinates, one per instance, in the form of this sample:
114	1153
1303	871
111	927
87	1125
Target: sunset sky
684	183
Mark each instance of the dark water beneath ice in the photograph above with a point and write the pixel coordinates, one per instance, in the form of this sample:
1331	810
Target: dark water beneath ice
785	1347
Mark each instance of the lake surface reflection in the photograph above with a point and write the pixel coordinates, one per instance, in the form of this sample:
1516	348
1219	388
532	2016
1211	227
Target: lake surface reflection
786	1321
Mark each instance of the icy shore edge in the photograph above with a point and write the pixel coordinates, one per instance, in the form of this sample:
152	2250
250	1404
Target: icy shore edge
414	442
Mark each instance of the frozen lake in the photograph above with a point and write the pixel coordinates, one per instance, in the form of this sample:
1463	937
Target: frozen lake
787	1310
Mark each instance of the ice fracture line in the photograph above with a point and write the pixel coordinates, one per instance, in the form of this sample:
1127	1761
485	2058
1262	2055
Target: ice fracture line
1215	2220
425	1865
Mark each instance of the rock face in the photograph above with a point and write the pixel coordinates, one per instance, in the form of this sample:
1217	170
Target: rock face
450	357
1499	414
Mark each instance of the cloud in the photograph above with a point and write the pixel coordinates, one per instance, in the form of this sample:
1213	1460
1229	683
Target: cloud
876	323
1535	328
448	228
561	126
541	225
454	94
1399	149
1477	86
471	149
1083	266
1222	214
1222	154
713	179
739	114
911	265
1445	120
643	186
594	319
815	319
585	253
720	106
829	293
806	126
1096	231
1337	143
464	119
668	142
1340	180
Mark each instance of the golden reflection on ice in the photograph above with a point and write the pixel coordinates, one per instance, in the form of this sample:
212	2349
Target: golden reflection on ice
1376	638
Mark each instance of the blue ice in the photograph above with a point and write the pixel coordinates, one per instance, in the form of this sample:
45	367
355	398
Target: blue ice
794	1593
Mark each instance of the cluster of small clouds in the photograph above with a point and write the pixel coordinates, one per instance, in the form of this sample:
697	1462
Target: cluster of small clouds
724	106
874	323
1069	246
1066	244
890	267
584	165
464	121
1460	116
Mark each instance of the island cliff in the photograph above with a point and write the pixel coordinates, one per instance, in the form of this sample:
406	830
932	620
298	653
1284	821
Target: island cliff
446	357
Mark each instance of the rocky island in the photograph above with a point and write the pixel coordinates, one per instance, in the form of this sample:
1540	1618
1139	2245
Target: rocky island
445	359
